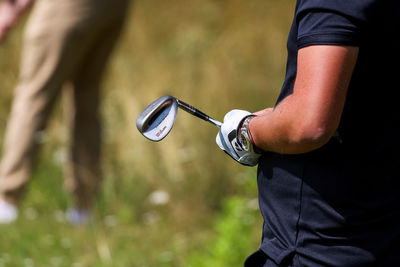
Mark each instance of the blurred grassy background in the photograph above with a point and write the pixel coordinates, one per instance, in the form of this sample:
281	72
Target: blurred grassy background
180	202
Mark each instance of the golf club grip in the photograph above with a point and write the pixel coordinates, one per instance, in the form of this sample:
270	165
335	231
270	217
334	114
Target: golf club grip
194	111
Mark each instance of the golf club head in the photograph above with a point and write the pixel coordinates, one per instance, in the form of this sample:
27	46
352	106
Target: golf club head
156	121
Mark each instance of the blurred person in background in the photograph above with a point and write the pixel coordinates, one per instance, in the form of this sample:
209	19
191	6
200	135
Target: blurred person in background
328	151
67	44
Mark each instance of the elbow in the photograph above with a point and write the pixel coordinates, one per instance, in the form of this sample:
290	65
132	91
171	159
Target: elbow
309	137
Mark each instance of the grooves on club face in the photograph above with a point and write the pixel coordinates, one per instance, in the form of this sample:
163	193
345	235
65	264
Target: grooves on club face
156	121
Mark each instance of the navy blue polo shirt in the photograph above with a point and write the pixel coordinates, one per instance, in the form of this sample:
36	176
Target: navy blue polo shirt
340	205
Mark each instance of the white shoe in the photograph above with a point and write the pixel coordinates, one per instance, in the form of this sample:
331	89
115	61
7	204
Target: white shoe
77	216
8	212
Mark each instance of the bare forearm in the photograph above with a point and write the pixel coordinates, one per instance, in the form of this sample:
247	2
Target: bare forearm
307	119
284	130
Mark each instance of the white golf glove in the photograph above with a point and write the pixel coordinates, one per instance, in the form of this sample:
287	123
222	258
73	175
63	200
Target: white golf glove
227	138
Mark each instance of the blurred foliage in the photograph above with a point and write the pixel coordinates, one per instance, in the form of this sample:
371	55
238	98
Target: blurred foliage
216	55
234	231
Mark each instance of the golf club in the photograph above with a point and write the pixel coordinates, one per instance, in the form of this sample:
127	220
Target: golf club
157	119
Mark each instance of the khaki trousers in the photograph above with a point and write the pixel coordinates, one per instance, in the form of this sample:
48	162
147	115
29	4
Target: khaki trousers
67	44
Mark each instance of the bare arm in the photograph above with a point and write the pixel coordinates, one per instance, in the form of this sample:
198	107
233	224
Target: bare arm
307	119
10	11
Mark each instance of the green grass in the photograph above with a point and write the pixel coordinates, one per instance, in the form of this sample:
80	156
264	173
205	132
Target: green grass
127	231
215	55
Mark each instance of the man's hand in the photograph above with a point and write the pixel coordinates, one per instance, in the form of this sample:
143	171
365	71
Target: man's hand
10	11
8	17
227	138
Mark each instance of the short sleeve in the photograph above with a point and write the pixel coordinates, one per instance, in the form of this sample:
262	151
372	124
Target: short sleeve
332	22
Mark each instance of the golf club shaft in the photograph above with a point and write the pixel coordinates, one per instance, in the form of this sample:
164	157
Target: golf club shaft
194	111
